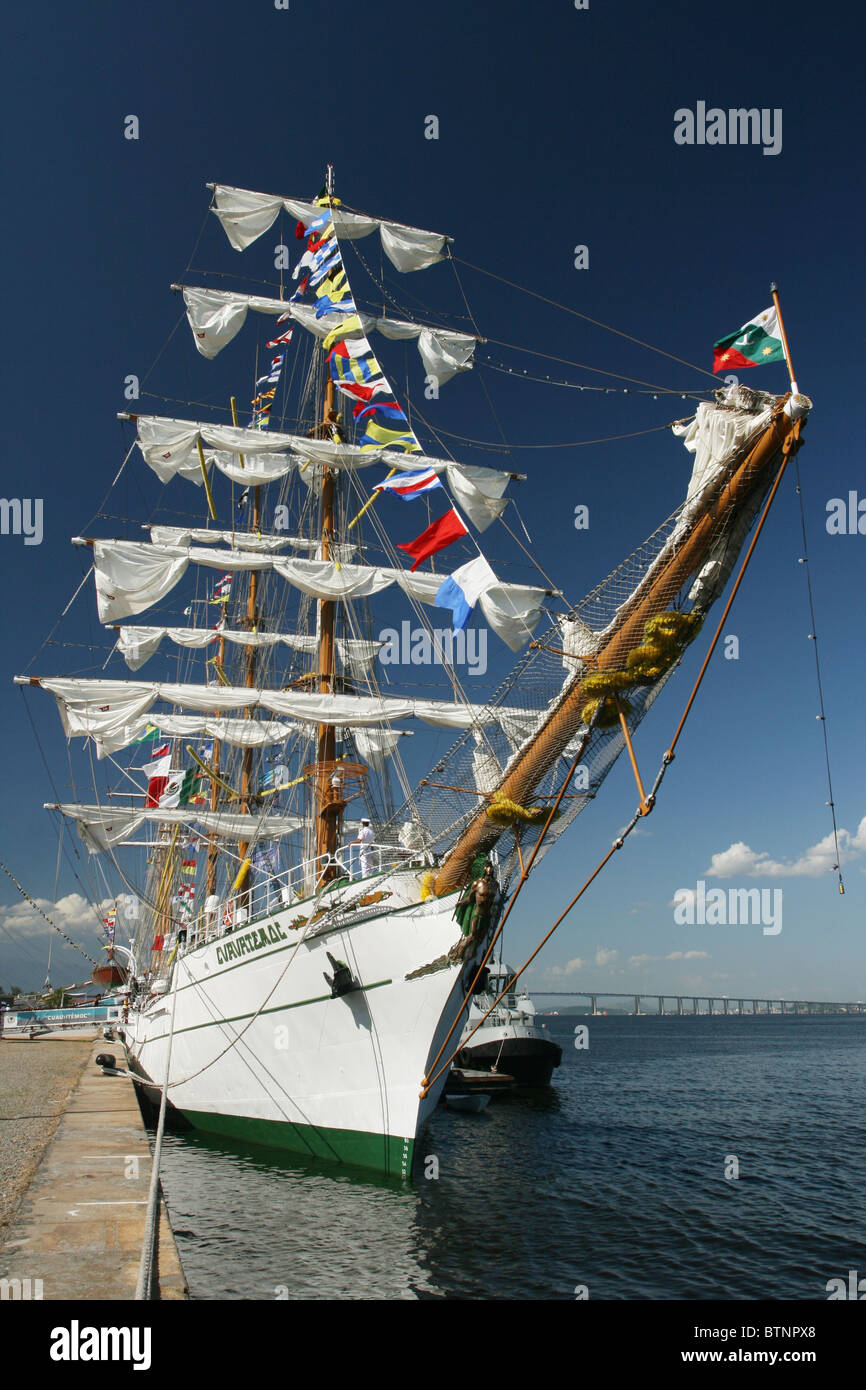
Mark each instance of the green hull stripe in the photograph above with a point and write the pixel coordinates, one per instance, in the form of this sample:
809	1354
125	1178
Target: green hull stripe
386	1153
276	1009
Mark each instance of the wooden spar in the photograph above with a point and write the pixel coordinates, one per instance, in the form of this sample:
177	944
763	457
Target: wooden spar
212	850
649	600
250	679
645	806
369	502
206	481
162	914
785	348
326	826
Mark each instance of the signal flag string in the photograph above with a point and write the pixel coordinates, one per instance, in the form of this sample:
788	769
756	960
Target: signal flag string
36	908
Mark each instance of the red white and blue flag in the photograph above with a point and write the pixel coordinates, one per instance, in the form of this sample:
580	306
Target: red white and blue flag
389	409
410	485
284	338
362	393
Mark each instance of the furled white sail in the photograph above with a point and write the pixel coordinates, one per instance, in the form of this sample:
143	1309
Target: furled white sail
511	610
242	540
240	733
103	827
257	471
170	447
246	215
94	707
217	316
408	248
478	492
138	644
375	745
715	436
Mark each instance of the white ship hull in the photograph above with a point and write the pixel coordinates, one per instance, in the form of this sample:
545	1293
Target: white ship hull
262	1052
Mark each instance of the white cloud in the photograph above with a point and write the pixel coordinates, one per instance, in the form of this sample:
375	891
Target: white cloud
603	956
72	914
558	972
739	860
688	955
638	961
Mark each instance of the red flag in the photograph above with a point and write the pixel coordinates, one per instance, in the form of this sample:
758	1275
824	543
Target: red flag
447	529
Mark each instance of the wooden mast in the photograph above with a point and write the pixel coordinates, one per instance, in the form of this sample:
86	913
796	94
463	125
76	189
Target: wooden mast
326	824
249	681
684	561
212	851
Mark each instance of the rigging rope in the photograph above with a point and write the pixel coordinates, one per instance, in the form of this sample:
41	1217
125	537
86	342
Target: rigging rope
586	317
790	445
36	908
585	367
654	391
813	635
569	444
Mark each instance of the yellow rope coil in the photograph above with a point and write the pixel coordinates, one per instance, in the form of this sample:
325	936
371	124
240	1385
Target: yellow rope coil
503	811
605	711
599	684
427	886
667	634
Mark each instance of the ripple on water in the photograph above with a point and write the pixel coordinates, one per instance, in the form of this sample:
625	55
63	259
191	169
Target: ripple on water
614	1179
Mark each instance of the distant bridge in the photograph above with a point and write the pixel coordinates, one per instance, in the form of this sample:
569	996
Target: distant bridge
726	1002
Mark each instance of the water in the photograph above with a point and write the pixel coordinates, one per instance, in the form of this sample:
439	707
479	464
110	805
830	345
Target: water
613	1179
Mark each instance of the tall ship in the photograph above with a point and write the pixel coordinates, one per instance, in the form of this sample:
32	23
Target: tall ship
311	846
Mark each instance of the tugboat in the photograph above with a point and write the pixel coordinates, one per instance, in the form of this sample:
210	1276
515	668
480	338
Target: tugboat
510	1040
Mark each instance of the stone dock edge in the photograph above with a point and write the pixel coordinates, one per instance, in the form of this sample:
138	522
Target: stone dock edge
79	1229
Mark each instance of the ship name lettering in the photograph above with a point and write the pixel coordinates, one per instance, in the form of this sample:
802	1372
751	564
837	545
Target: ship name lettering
253	941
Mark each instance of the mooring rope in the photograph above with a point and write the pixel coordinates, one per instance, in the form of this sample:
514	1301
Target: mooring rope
144	1286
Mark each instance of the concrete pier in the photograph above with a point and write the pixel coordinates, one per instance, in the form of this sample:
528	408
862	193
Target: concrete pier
80	1226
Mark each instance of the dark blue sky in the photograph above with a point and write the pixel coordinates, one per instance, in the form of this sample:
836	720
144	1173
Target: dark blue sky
555	129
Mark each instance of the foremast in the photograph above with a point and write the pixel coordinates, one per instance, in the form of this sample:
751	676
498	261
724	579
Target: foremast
329	807
328	787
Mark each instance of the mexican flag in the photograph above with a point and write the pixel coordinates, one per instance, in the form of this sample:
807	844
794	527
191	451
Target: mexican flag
181	788
756	342
158	774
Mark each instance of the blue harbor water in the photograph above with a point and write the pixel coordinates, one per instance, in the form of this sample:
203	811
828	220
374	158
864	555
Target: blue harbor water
614	1179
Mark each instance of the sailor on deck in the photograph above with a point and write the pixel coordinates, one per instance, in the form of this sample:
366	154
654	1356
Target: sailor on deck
365	840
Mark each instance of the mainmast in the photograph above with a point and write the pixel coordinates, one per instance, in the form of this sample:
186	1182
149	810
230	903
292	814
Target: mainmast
328	787
250	680
213	851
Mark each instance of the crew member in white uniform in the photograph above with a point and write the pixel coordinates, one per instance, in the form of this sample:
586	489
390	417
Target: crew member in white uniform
365	840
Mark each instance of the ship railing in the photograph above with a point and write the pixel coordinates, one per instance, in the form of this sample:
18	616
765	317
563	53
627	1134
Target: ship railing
276	892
